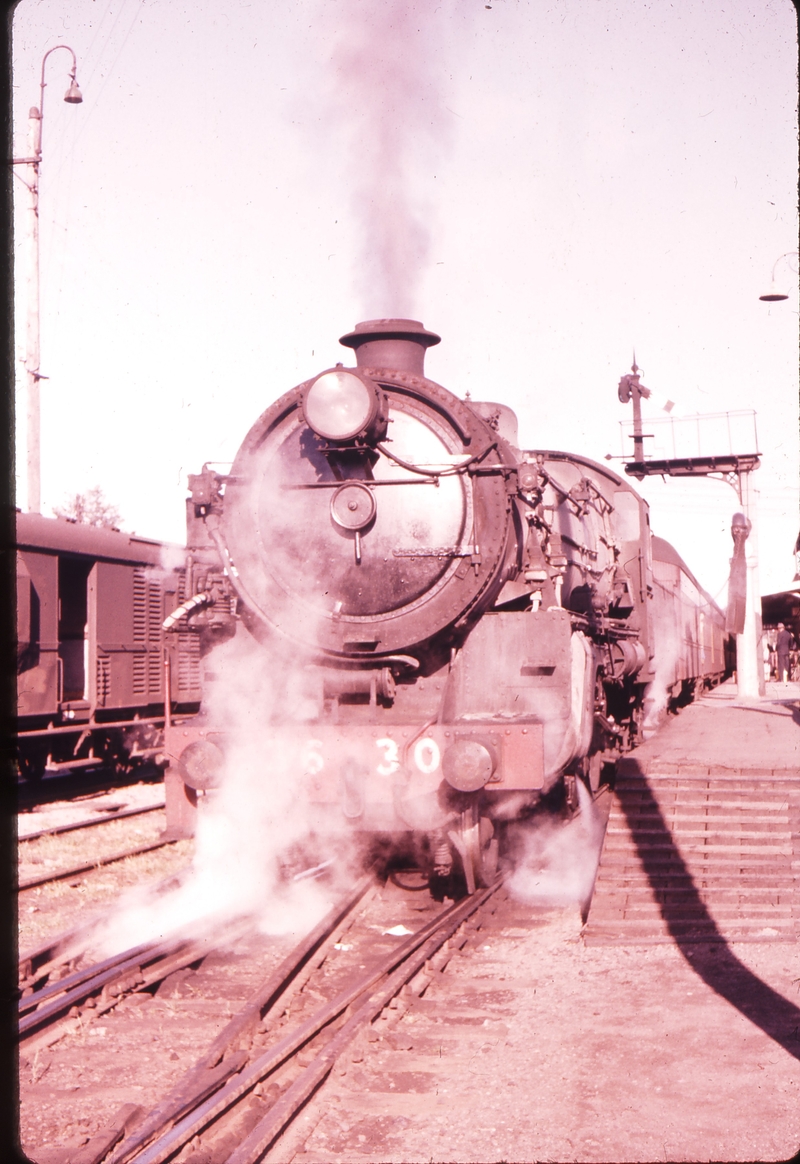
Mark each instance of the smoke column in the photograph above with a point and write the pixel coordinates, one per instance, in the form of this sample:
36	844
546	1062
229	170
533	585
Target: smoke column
387	107
257	816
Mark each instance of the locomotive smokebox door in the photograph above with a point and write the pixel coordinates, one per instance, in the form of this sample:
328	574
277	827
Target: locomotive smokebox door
367	511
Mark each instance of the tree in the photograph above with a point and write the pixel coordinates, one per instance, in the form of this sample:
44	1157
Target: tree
90	508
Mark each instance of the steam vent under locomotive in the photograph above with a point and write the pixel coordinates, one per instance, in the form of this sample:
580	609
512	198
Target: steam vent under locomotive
472	623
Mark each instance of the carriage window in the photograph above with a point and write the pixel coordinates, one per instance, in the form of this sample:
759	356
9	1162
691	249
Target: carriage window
625	518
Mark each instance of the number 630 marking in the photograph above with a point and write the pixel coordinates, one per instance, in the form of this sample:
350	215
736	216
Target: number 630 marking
426	755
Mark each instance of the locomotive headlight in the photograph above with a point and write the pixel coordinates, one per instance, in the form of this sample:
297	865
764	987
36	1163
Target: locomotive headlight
340	405
469	764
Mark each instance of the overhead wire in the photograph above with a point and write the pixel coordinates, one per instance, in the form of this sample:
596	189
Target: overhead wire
95	97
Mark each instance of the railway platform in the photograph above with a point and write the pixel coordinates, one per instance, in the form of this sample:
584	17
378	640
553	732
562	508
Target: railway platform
727	734
703	836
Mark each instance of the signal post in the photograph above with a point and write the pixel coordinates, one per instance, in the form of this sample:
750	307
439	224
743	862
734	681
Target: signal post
736	469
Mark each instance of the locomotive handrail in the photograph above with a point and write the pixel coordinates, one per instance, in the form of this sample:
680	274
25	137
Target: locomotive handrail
88	725
435	472
429	480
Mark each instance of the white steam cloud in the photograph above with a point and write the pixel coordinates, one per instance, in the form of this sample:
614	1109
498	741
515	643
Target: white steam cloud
555	863
248	826
659	692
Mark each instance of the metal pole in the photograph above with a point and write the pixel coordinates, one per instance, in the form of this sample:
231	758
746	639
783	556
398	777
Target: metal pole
32	354
638	437
32	320
749	647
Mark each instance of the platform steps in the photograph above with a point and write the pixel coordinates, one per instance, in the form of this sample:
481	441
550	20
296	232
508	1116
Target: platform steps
698	857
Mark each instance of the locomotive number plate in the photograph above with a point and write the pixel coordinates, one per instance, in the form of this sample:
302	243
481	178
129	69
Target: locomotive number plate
403	754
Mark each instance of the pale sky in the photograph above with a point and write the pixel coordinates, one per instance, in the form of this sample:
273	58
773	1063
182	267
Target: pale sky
560	181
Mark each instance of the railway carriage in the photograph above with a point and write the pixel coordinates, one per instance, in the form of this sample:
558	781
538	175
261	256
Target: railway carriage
473	625
93	661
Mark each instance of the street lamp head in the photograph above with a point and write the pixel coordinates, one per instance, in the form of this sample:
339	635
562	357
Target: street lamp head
73	95
774	295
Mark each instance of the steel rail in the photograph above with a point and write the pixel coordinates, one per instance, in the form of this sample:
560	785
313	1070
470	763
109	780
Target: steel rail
438	931
94	983
158	964
97	863
205	1076
39	962
301	1090
79	977
86	824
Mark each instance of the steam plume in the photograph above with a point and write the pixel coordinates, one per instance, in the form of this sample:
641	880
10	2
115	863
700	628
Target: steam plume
247	826
388	68
555	863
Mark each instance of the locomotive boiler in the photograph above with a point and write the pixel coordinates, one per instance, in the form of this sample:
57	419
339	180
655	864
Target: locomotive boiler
474	625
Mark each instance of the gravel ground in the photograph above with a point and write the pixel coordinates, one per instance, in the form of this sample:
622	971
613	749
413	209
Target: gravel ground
62	812
535	1047
48	910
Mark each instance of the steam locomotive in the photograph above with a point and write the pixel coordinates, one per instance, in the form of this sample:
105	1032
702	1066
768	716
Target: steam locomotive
475	625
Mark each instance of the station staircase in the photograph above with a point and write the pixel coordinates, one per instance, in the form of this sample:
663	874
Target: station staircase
697	853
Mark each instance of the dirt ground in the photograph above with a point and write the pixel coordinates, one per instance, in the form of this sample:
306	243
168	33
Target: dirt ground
48	910
542	1049
532	1047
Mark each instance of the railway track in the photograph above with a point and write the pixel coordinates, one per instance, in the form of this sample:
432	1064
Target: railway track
35	848
348	979
93	863
82	784
52	959
110	813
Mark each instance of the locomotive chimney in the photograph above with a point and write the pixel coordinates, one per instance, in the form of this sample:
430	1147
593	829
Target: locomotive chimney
397	344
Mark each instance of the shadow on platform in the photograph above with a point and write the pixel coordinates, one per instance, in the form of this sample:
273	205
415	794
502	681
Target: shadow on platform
710	956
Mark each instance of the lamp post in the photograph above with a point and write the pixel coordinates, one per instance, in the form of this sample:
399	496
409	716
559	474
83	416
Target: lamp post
32	370
750	682
776	294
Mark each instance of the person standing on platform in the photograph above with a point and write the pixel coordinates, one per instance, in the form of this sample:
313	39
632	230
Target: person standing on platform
783	645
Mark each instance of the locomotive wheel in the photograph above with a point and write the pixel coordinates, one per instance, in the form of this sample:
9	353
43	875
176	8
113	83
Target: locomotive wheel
571	793
594	771
477	847
489	859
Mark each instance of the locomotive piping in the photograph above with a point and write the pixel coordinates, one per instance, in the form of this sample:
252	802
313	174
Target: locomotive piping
436	472
193	603
233	576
